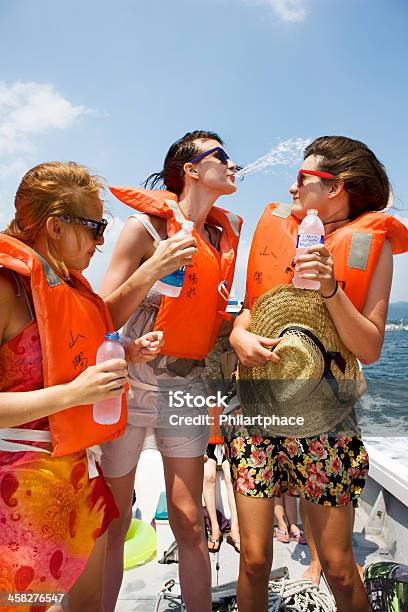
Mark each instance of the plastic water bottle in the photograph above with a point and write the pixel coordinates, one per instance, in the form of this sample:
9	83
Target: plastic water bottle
108	411
172	284
310	233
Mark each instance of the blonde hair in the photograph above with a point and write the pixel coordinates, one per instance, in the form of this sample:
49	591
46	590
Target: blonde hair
50	190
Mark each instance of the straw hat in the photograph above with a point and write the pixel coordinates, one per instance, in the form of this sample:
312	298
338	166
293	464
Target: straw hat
317	377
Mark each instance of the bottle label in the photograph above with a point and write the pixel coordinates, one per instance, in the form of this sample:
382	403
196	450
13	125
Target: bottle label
176	279
308	240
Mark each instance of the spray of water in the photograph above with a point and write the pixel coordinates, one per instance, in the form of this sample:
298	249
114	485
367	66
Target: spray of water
285	153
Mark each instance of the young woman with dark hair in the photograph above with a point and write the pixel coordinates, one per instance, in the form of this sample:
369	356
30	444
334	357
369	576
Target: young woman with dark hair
196	172
344	181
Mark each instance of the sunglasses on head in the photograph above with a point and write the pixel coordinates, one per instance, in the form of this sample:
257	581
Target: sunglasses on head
98	227
301	172
218	152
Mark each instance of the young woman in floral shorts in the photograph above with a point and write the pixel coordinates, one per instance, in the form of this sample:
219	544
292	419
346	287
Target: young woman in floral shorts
344	181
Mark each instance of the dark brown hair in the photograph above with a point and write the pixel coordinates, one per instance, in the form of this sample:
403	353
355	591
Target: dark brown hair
180	152
352	162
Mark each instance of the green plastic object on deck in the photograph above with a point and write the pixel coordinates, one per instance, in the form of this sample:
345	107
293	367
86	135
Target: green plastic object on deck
161	510
140	544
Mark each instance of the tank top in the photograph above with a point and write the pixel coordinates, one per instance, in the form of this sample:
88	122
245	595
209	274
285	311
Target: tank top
155	377
21	369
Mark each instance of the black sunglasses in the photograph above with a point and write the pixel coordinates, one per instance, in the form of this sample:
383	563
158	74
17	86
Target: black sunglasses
218	152
97	226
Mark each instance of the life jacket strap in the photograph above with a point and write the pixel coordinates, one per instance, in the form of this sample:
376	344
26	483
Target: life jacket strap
21	434
93	453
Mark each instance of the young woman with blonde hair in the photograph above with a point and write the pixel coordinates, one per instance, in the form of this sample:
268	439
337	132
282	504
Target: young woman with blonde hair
53	507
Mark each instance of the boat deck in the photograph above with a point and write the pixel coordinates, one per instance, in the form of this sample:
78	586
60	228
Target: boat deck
142	585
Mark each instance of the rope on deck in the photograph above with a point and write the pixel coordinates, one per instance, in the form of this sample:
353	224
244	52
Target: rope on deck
298	595
285	595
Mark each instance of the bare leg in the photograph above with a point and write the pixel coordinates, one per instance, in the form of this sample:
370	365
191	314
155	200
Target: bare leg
122	489
209	492
231	502
256	552
289	503
280	514
332	530
184	485
86	594
314	570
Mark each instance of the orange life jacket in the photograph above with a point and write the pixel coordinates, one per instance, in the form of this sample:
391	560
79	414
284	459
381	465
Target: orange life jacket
72	323
192	321
355	249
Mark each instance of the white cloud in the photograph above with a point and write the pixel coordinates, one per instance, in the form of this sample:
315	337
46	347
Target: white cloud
287	10
15	167
28	110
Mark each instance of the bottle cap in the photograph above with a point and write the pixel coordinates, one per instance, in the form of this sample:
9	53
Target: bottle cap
112	336
312	211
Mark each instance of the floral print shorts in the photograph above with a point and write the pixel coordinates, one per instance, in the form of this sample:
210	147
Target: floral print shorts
327	469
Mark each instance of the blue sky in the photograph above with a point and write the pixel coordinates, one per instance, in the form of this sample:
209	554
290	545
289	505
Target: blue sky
111	85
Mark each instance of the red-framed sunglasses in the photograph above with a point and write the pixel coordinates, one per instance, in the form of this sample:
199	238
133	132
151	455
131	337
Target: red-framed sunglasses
313	173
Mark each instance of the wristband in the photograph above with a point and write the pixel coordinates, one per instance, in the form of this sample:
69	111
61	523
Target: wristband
327	297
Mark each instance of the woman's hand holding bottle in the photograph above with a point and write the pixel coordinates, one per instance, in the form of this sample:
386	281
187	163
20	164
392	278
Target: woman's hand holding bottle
173	253
98	382
317	264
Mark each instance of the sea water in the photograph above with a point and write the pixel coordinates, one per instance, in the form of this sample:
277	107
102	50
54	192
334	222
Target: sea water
383	411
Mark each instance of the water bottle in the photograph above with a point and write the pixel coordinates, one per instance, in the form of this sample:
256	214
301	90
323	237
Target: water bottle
172	284
108	411
310	233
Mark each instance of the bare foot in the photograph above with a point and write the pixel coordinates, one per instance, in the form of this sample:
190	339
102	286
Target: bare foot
233	540
214	541
313	573
296	534
234	533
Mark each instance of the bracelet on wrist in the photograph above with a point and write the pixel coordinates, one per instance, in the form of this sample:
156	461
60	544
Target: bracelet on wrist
327	297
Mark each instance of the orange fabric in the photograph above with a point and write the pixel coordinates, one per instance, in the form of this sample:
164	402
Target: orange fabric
274	247
215	432
192	321
72	322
